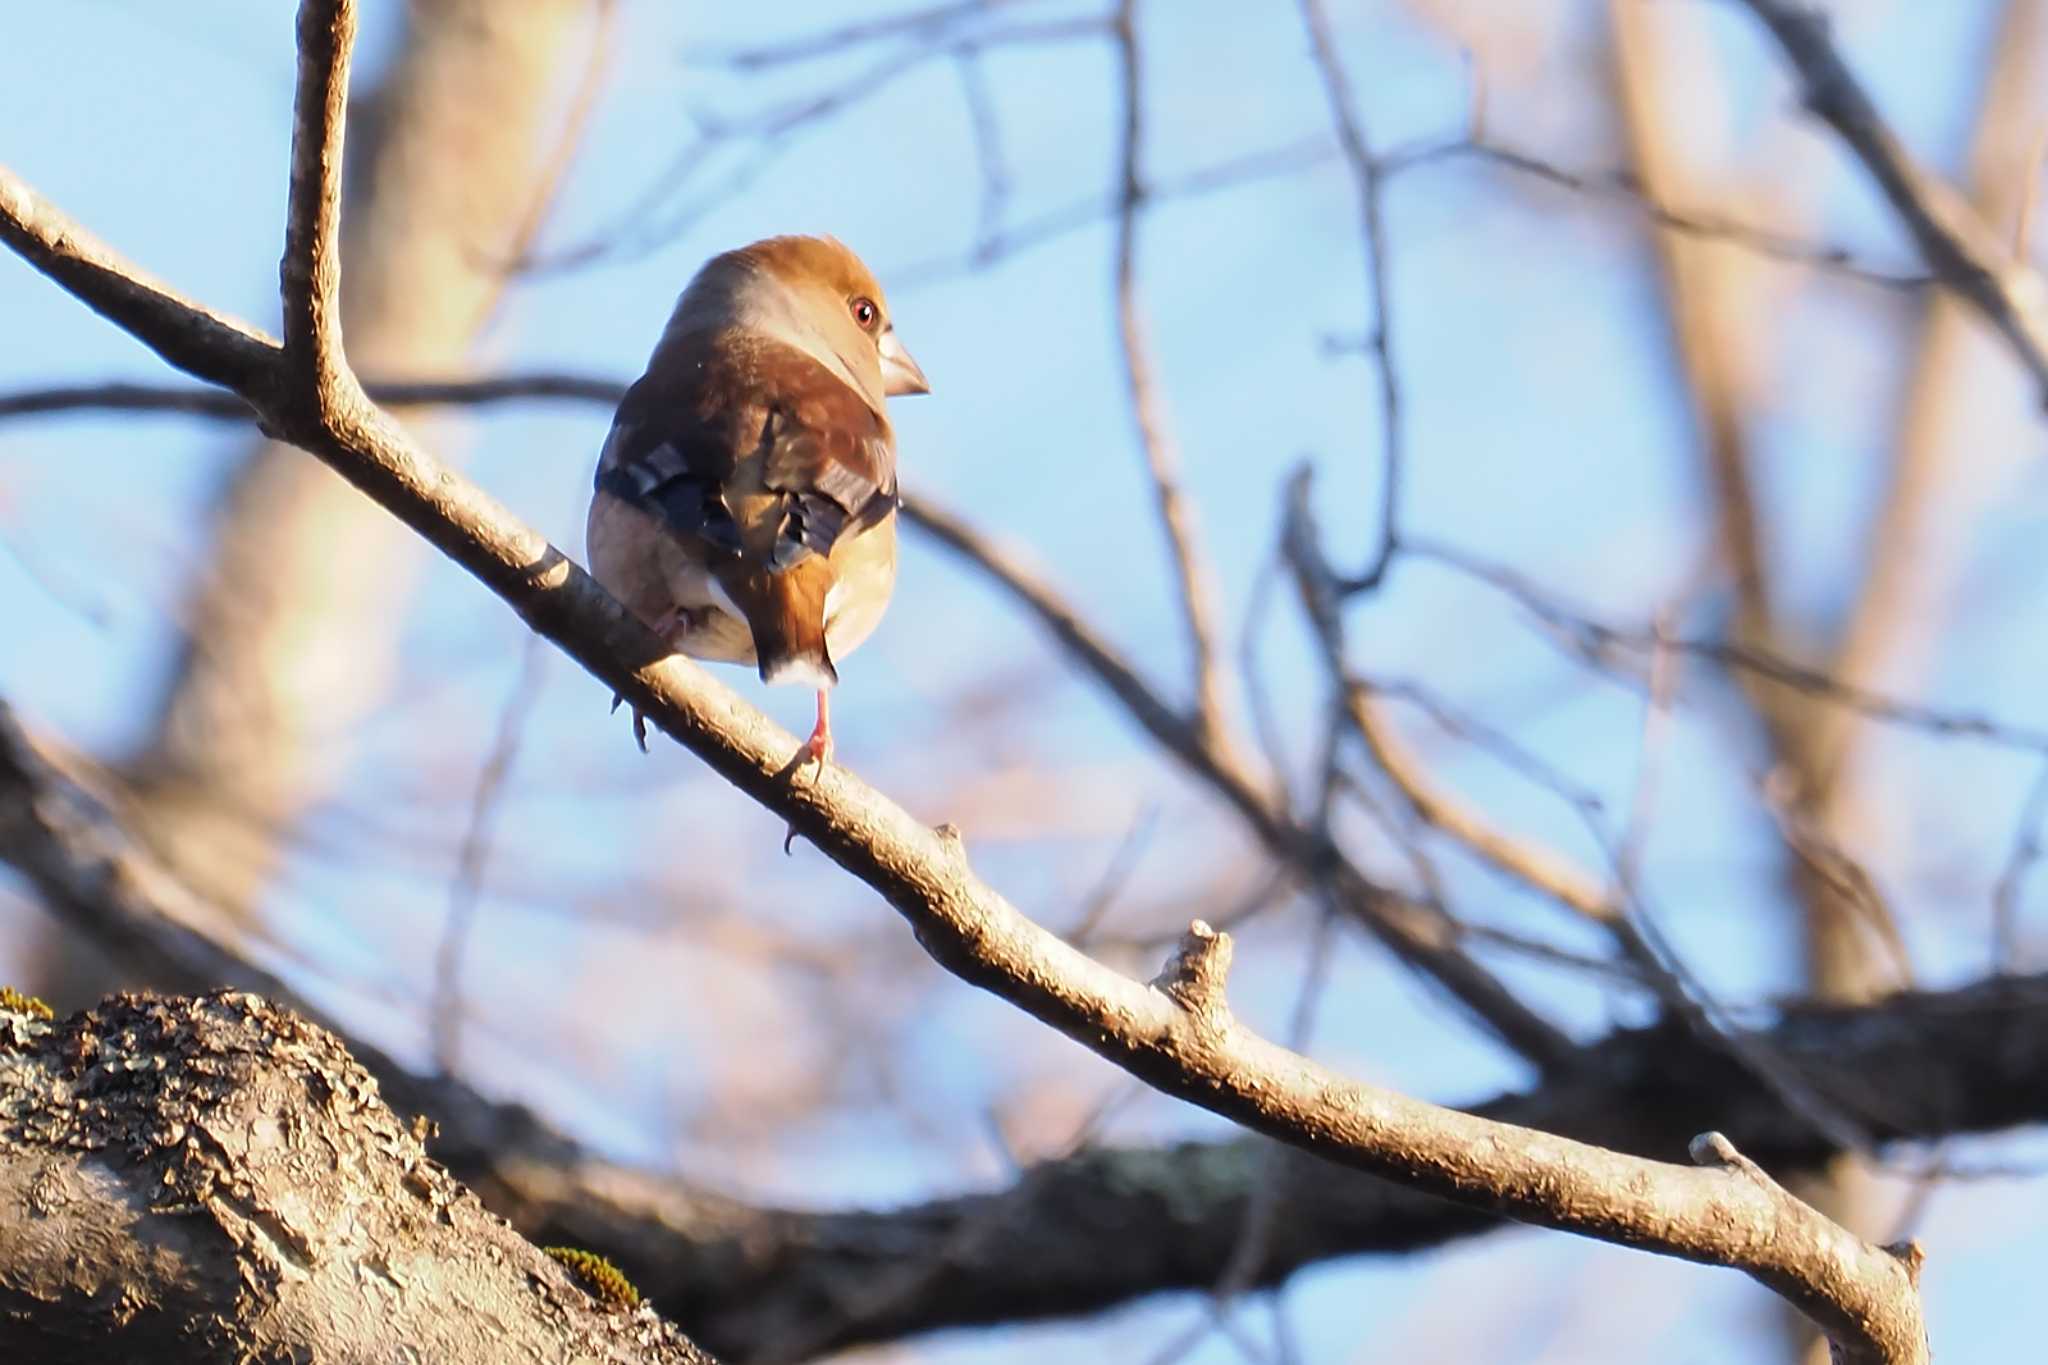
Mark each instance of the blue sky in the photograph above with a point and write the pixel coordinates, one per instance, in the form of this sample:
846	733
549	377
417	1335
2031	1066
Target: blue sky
1547	430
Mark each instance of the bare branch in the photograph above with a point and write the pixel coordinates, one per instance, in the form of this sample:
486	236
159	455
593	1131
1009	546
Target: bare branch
1856	1292
1619	650
1961	249
833	42
311	271
219	405
1192	573
475	851
1626	186
1418	935
1367	175
202	343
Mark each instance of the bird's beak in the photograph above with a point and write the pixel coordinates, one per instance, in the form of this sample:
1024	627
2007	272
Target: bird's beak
900	374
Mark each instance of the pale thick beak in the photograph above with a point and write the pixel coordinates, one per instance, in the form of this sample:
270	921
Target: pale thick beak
900	374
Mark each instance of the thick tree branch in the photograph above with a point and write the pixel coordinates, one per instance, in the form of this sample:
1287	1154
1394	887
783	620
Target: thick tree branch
199	1180
202	343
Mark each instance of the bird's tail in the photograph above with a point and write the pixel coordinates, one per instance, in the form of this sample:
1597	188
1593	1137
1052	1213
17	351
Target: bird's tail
786	611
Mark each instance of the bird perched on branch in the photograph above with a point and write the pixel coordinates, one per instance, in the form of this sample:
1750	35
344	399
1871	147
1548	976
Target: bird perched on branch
746	497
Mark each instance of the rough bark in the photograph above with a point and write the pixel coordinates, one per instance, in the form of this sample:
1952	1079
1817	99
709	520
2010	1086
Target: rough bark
208	1179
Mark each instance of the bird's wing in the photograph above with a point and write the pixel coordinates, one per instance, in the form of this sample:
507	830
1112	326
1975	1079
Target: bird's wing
755	451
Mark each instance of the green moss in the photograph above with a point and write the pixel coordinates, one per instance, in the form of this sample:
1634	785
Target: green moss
12	999
604	1281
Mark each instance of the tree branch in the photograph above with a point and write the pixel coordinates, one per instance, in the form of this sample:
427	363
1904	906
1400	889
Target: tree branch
1192	574
310	274
746	1280
1961	249
1419	936
1860	1294
1368	176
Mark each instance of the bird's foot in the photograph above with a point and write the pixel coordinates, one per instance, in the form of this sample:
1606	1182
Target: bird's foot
817	750
815	753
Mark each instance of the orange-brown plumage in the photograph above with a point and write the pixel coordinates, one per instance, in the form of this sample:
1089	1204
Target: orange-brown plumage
746	497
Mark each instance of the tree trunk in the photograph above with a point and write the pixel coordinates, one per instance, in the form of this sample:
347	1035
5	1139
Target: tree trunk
211	1178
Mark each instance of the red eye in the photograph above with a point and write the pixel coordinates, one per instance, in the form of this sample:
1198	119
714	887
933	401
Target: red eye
865	312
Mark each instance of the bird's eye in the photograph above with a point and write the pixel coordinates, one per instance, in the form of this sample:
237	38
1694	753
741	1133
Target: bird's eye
865	313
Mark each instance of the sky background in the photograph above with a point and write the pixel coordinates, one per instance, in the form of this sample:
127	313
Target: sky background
1547	430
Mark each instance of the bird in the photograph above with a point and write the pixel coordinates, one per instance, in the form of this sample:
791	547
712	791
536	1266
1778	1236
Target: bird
745	499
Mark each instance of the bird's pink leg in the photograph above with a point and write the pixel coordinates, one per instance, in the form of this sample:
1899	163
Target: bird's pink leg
817	750
819	746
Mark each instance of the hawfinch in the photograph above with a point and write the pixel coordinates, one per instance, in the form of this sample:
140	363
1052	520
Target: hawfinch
746	497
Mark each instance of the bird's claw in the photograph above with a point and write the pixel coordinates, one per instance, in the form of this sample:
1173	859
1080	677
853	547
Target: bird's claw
815	754
639	721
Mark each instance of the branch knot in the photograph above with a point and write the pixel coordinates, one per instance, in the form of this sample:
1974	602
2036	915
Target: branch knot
1195	975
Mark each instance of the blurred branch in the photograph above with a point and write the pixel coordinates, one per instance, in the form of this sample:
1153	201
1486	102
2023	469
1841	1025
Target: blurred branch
1623	652
1368	176
1177	1033
280	655
466	891
1192	571
225	405
932	21
742	1276
1321	593
1963	251
1626	185
1417	934
1601	644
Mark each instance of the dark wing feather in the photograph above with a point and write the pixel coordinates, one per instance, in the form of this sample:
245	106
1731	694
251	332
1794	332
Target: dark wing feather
834	458
720	415
685	497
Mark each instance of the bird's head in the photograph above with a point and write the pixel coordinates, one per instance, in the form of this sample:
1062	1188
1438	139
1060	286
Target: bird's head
816	295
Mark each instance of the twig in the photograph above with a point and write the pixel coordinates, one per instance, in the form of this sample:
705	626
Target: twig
1623	184
1115	874
220	405
1367	177
2005	897
467	889
1597	642
1655	734
1192	573
311	271
1320	591
988	151
922	23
